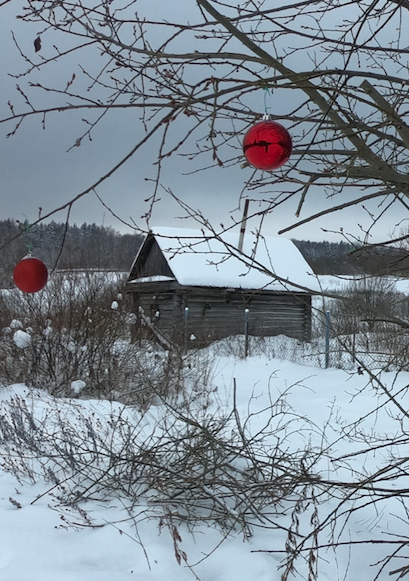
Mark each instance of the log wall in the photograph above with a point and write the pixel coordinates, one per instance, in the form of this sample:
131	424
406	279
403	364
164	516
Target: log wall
216	313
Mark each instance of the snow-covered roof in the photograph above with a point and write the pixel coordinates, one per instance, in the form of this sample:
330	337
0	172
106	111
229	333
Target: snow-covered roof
199	258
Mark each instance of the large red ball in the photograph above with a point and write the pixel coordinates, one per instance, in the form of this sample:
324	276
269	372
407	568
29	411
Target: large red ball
267	145
30	275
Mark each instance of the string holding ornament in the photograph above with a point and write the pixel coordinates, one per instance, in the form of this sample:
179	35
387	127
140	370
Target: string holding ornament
30	275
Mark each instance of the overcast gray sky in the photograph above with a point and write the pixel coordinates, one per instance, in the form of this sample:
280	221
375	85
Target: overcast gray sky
37	171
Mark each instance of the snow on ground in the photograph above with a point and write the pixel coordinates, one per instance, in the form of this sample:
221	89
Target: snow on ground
40	540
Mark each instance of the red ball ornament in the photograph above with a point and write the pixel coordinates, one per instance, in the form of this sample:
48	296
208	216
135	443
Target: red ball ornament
30	275
267	145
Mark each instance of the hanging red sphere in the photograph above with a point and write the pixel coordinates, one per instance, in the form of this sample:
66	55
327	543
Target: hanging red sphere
30	275
267	145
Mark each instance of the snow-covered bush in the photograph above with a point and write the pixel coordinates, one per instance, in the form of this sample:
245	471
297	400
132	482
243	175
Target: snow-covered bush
369	321
182	461
367	304
71	332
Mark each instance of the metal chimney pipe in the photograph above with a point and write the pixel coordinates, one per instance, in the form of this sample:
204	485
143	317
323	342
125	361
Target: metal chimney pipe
243	225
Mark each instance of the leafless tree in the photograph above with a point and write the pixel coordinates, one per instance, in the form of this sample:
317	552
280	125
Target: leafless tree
338	72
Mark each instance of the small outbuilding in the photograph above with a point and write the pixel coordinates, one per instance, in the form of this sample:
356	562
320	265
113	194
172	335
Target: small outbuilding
195	287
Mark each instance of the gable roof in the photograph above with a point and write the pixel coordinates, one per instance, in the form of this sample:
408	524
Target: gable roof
201	258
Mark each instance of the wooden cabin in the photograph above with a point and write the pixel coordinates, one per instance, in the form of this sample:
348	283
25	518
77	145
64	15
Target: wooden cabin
194	287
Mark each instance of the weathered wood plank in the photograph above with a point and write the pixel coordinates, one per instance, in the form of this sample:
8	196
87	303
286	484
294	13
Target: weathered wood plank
215	313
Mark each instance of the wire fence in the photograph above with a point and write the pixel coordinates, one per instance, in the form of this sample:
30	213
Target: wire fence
339	354
385	348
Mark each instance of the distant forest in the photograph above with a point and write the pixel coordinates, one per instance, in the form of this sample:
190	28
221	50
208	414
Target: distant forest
101	247
345	259
72	247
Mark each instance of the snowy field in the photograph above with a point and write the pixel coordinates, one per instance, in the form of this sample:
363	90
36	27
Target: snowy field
305	409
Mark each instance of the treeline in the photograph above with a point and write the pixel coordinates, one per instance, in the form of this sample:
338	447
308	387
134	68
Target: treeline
66	247
345	259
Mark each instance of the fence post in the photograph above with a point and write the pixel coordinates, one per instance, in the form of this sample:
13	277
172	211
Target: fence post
246	333
327	322
185	321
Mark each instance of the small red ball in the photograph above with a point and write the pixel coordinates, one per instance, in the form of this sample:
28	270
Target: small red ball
267	145
30	275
